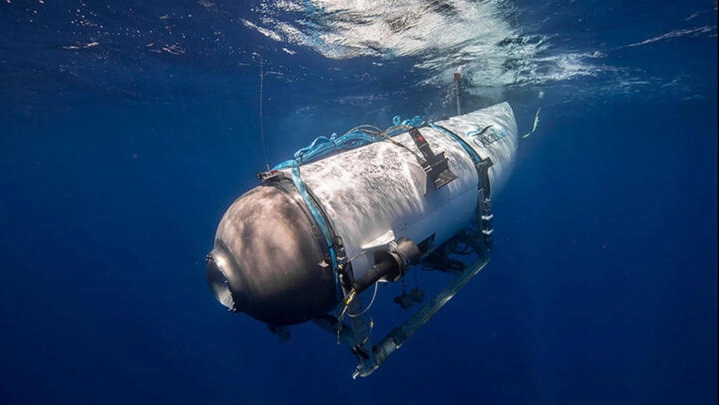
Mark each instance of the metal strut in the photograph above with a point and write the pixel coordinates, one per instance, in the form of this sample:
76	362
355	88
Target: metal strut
396	338
356	335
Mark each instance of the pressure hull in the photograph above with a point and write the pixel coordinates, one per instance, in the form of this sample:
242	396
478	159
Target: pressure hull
269	258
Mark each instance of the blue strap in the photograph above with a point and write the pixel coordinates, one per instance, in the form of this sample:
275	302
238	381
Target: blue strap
319	218
475	157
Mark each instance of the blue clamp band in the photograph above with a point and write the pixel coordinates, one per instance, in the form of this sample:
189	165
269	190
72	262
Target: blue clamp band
320	220
475	157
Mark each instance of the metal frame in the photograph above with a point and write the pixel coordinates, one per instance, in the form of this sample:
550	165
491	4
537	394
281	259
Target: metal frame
355	334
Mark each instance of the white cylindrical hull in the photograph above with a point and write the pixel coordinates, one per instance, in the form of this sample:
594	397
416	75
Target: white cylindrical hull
381	189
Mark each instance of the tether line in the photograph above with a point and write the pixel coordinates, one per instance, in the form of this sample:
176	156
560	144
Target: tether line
262	126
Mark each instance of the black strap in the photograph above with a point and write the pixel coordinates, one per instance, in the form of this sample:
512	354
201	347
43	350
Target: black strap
436	166
483	172
482	165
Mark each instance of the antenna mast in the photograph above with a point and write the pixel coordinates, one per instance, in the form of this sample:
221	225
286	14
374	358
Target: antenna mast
457	76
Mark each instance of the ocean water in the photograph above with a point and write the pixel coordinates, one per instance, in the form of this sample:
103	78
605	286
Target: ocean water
127	128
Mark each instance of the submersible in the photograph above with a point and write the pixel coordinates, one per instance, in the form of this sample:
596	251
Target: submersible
351	211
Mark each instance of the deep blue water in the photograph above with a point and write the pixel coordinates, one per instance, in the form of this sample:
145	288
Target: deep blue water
126	130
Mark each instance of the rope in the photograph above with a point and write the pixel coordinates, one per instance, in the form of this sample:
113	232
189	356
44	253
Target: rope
358	136
262	126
